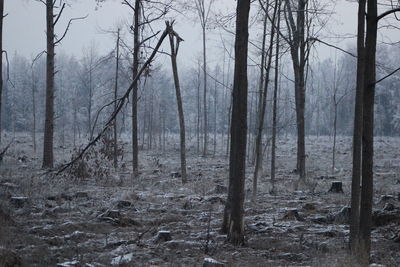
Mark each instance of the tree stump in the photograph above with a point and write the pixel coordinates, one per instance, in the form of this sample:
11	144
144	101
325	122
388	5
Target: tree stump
336	187
210	262
19	202
163	236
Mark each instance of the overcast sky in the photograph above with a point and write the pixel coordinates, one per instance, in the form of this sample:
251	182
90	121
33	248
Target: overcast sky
25	24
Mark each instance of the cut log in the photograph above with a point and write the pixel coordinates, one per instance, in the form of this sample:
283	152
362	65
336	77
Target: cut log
336	187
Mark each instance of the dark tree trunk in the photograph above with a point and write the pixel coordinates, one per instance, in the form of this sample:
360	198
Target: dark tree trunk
174	53
33	112
1	64
299	60
357	132
275	100
233	223
205	142
48	158
135	67
368	131
215	117
115	103
262	108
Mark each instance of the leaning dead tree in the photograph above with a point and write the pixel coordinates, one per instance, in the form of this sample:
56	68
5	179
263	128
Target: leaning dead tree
119	103
174	40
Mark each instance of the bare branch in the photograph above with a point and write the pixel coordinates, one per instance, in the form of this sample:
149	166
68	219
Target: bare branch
384	14
387	76
313	39
59	15
66	30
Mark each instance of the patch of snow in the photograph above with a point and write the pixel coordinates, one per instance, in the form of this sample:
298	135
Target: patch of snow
122	259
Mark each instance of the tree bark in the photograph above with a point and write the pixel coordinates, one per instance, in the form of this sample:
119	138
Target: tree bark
174	53
115	103
205	142
135	67
299	60
357	132
33	109
262	108
368	131
233	223
275	100
48	158
1	64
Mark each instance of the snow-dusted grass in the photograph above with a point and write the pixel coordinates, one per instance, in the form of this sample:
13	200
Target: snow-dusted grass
115	220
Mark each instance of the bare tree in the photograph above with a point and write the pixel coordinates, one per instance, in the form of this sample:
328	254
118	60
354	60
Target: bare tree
233	223
51	40
203	11
115	101
299	51
361	216
174	40
135	67
140	19
275	100
263	101
48	158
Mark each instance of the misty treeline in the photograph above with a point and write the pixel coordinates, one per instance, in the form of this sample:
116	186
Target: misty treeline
84	86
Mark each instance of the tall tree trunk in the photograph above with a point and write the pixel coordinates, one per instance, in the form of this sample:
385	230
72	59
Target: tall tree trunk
299	60
215	117
135	67
48	158
275	101
205	142
368	131
262	108
33	111
198	112
334	135
90	129
115	103
357	132
1	64
174	53
233	223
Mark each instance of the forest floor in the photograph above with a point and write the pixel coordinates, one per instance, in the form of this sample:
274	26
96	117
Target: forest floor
154	220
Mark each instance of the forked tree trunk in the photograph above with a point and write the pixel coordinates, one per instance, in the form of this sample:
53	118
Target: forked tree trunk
48	158
261	109
275	101
174	53
299	60
135	67
233	223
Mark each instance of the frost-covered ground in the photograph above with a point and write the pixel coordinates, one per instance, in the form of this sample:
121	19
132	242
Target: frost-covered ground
154	220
